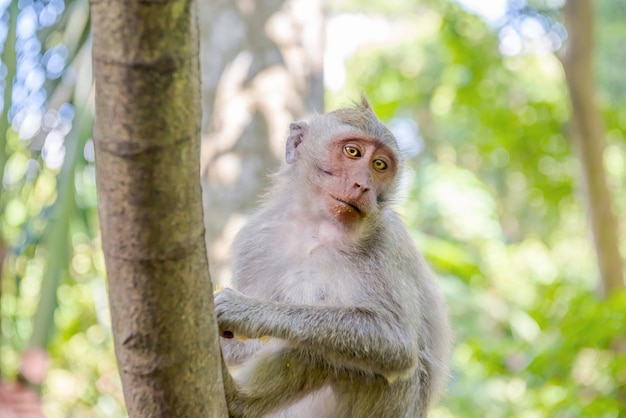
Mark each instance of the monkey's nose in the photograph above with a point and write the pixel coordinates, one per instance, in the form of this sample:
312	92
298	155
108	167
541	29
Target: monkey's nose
363	189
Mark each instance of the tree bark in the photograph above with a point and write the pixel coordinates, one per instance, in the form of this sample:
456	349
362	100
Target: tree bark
146	133
589	140
261	70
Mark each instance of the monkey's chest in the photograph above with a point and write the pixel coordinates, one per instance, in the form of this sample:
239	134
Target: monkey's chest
319	280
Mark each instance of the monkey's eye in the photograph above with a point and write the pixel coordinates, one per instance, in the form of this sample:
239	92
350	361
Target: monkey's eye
351	151
379	165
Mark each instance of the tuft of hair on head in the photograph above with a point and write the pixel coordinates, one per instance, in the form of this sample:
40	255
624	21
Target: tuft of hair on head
364	103
362	117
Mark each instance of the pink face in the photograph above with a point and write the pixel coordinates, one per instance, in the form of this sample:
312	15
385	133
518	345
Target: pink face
355	172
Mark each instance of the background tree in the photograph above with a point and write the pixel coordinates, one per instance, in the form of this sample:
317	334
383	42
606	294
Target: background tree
147	147
588	134
261	70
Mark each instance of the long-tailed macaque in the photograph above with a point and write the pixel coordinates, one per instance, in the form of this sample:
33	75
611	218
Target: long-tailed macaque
336	312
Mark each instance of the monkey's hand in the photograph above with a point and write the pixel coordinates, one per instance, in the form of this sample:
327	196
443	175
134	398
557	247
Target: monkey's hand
235	312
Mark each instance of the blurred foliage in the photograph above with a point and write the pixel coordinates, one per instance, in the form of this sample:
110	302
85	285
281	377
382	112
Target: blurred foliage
53	289
494	194
492	198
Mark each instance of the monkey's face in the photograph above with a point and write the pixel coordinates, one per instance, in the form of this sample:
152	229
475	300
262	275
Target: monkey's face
353	175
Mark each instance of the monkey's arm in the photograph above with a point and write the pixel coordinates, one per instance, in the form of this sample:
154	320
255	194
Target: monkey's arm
346	337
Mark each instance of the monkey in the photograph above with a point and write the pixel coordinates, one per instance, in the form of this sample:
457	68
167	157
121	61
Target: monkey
335	313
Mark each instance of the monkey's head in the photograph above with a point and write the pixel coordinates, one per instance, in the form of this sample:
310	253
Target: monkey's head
348	160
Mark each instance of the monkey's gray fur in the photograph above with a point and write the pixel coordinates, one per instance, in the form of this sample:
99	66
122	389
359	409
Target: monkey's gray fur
357	327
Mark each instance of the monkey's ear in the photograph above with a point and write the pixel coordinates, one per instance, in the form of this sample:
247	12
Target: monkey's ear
297	130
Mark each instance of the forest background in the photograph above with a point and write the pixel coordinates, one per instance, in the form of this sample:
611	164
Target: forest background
495	196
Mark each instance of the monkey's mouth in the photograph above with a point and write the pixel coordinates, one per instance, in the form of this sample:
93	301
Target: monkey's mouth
349	205
344	211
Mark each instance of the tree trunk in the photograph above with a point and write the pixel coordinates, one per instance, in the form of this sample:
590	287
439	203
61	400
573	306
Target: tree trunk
147	146
261	69
588	136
